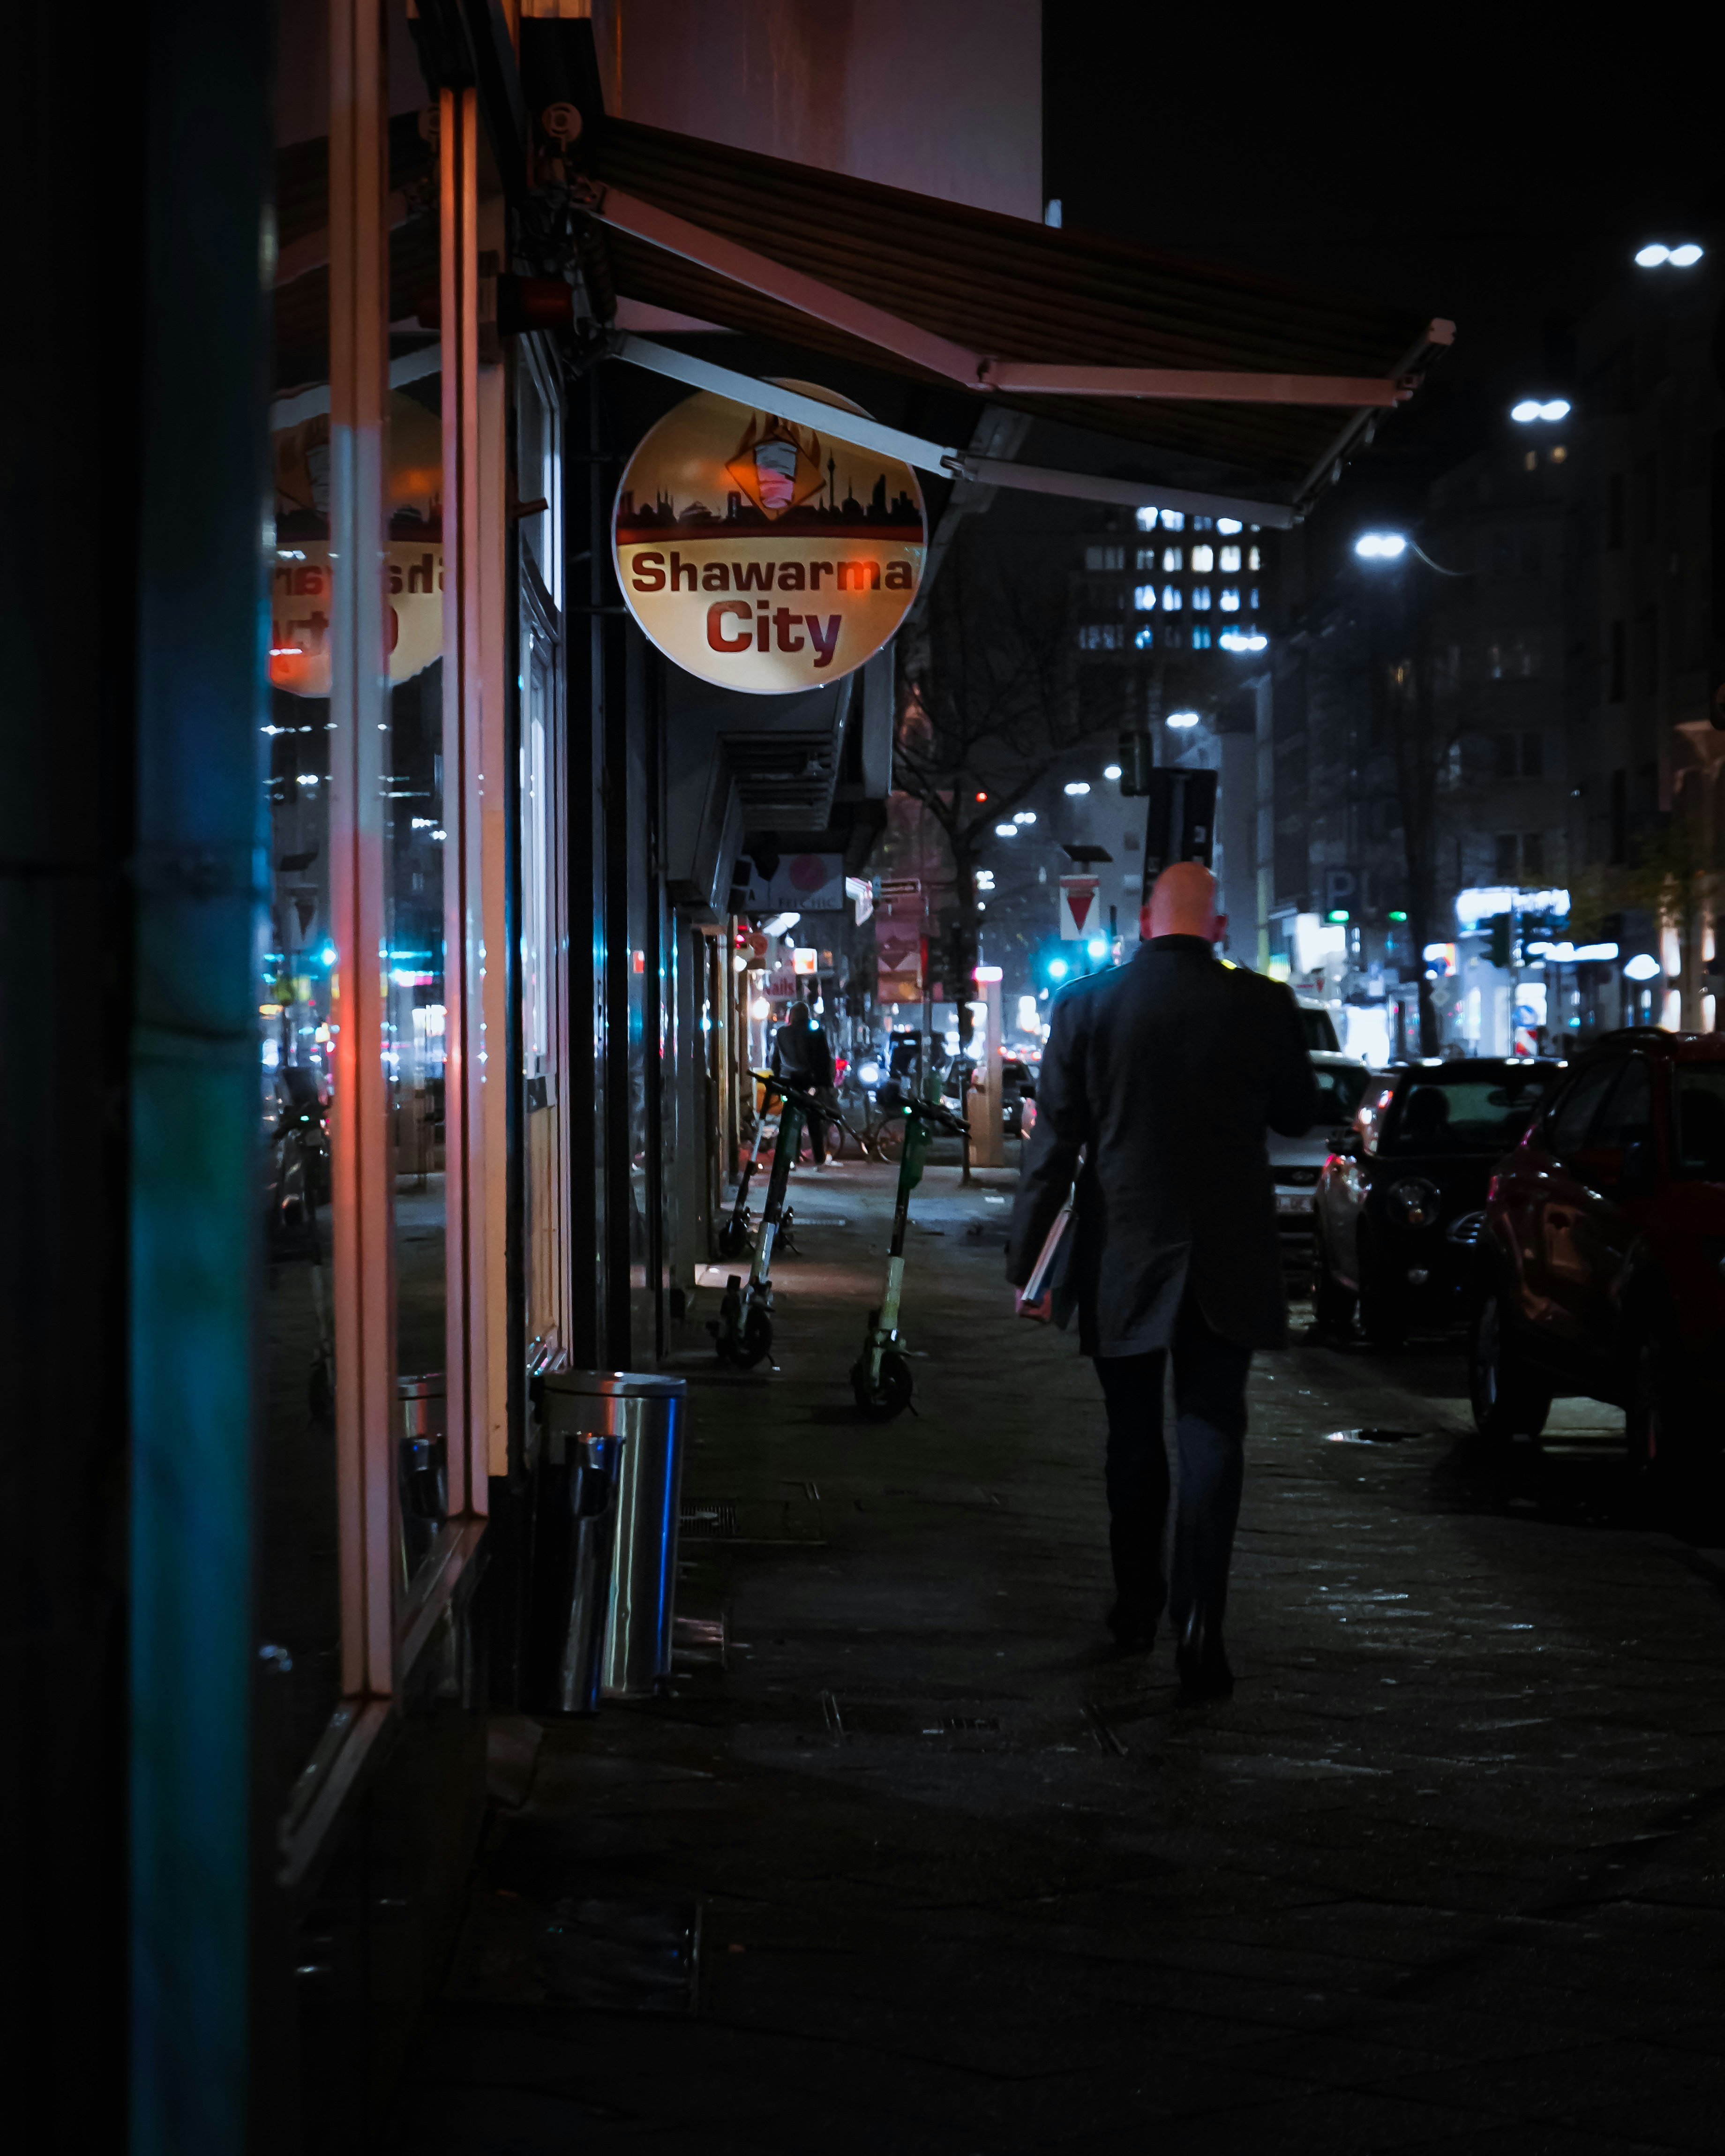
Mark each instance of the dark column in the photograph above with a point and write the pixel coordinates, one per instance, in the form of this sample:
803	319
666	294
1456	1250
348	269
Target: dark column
196	1103
68	586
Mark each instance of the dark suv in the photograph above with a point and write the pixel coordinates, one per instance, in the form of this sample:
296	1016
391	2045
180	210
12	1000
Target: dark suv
1399	1201
1602	1250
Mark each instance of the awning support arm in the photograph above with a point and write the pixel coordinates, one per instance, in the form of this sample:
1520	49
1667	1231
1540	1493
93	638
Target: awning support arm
834	421
858	318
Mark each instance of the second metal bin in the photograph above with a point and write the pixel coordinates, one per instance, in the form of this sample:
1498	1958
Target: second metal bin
643	1415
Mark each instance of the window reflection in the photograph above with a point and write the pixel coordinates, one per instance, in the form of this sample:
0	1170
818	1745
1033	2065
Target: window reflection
299	1613
413	1045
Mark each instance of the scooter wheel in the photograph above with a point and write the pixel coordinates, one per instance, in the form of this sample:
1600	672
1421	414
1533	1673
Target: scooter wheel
893	1396
733	1239
756	1344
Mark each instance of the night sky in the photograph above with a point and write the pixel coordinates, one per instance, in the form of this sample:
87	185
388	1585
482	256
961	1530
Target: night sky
1499	170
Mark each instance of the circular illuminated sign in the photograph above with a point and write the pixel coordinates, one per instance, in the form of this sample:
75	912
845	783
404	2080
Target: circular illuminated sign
759	555
300	584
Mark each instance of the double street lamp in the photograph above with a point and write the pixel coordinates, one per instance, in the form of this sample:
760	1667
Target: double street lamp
1391	545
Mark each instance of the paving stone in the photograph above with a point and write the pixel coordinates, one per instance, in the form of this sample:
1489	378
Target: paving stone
1445	1874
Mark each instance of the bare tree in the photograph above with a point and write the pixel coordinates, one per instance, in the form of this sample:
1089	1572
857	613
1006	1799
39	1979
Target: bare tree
993	696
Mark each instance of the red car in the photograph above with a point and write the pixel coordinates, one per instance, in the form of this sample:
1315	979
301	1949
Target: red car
1602	1250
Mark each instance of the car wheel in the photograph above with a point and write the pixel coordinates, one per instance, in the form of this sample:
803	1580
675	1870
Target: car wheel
1509	1397
1331	1304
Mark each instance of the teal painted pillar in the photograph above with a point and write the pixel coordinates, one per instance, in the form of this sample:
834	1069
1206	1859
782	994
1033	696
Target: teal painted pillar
196	1103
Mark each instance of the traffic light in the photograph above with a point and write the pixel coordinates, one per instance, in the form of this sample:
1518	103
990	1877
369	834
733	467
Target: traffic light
1502	926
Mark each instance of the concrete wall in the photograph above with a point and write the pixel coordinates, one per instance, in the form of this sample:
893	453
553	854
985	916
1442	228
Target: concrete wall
943	97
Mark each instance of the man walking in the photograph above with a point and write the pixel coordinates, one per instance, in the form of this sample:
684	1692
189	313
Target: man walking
1163	1072
802	1057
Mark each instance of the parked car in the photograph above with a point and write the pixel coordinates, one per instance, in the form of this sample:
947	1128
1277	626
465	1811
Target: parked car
1296	1163
1401	1196
1602	1251
1017	1084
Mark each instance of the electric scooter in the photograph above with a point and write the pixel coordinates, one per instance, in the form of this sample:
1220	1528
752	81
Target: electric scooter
734	1235
742	1331
881	1376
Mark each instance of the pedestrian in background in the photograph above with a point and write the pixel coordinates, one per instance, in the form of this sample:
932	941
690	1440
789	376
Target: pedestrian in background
802	1058
1163	1073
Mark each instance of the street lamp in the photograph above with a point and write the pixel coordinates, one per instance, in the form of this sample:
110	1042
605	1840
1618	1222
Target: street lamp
1076	786
1391	545
1182	719
1110	771
1657	256
1530	408
1006	830
1025	816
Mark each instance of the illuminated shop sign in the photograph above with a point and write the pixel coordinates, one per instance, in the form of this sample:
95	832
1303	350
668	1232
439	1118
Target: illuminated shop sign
760	556
300	579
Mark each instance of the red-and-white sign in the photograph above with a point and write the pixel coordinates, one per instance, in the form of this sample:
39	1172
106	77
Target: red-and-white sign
1080	909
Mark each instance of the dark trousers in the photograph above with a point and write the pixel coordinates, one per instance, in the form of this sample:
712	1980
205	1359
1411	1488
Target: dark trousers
1210	1421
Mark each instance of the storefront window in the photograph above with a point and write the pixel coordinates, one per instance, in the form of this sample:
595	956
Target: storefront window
414	835
298	1592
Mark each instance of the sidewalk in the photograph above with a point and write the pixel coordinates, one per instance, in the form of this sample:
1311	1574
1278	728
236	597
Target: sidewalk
1446	1873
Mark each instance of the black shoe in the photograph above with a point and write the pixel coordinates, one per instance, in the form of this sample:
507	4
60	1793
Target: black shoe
1133	1625
1202	1666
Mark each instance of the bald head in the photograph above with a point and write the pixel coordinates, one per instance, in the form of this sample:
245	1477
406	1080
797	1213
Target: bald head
1182	903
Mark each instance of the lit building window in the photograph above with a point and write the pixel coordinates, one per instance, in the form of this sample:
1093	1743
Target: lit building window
1204	523
1229	524
1144	639
1146	557
1173	519
1531	461
1228	558
1203	560
1172	558
1171	598
1101	636
1200	640
1105	558
1559	453
1230	600
1200	598
1146	520
1252	598
1144	598
1252	561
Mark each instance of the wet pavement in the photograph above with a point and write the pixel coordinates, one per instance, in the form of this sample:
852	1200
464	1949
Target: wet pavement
918	1863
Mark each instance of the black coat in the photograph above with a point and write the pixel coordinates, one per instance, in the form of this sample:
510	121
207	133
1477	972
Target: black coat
1166	1070
802	1056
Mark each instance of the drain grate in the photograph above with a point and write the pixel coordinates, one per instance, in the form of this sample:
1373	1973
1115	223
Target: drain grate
1369	1436
719	1519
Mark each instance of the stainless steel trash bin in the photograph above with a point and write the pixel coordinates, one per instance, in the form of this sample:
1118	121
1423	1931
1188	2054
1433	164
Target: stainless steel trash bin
584	1462
642	1414
422	1467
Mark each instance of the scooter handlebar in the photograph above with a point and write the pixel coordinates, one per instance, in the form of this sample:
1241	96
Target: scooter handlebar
807	1102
